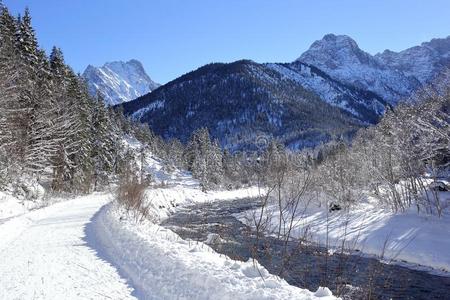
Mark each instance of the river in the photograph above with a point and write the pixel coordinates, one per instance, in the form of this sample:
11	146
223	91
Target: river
348	276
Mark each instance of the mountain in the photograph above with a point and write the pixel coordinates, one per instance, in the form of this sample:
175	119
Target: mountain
392	75
364	105
332	89
244	101
119	81
423	62
340	57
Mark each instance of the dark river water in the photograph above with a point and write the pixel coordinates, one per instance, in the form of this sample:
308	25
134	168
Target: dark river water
348	276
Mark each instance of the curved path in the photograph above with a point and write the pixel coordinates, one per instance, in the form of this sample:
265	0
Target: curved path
49	254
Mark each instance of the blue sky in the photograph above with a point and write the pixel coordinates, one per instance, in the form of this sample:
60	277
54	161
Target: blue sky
172	37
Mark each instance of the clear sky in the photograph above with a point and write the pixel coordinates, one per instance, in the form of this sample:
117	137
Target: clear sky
172	37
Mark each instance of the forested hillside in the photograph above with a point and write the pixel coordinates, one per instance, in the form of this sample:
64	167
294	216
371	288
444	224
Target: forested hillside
51	129
242	101
55	134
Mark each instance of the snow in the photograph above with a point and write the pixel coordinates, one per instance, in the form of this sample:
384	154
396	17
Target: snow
10	206
161	265
155	166
27	194
176	188
88	248
158	104
340	57
46	254
417	241
119	81
84	249
323	292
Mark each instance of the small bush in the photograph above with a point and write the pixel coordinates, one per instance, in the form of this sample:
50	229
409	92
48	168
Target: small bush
131	196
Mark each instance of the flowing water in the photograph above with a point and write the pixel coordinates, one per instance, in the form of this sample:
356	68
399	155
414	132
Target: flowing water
349	276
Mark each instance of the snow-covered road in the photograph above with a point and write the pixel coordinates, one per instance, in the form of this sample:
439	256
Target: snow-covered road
47	254
84	249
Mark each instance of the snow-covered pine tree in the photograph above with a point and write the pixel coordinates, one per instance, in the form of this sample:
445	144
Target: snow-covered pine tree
42	140
49	124
65	122
9	96
104	142
175	150
27	44
80	140
58	66
204	158
27	51
215	166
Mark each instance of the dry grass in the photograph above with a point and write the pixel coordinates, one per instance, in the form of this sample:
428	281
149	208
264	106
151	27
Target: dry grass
131	196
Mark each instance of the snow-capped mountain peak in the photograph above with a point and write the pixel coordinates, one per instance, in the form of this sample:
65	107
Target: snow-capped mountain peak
422	62
119	81
335	51
341	58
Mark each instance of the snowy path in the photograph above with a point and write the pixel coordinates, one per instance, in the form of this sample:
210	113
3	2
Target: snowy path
84	249
46	255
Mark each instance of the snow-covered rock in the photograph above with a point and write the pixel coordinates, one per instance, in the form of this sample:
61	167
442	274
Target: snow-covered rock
341	58
423	62
323	292
119	81
363	105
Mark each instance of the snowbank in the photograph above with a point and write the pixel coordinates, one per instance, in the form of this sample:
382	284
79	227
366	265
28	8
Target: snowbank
10	206
161	265
18	198
420	241
165	201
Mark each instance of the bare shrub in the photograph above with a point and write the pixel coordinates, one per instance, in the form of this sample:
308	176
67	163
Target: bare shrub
130	195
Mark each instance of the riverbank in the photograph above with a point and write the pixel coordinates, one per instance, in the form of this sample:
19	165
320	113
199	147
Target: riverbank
354	276
418	241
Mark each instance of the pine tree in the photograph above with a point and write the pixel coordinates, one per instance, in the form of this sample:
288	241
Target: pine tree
80	140
42	142
175	150
204	158
215	166
104	142
10	112
53	130
65	122
26	41
58	67
28	101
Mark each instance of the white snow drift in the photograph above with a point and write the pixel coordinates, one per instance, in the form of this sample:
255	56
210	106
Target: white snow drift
161	265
